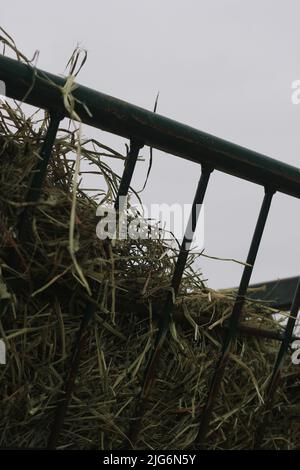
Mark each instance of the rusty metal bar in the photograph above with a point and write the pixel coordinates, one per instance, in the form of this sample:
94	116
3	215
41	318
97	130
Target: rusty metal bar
235	317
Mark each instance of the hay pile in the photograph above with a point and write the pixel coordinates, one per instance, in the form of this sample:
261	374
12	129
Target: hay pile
43	299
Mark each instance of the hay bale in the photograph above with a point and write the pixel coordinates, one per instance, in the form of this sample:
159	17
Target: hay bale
43	300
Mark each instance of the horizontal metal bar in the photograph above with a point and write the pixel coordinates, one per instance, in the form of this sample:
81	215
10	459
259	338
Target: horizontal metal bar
44	90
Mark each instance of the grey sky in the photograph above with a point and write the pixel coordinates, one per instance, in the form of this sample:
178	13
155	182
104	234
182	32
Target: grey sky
223	66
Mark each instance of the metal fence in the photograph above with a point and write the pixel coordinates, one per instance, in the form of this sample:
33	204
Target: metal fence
142	127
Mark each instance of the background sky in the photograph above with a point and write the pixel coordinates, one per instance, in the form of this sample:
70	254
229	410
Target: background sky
222	66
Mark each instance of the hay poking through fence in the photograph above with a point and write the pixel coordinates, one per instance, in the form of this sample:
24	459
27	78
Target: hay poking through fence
43	301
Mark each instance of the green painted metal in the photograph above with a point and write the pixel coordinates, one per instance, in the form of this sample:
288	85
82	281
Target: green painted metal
163	329
43	90
142	127
234	319
277	294
45	155
276	375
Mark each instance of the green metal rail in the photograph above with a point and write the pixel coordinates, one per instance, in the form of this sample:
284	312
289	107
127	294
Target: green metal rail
142	127
43	90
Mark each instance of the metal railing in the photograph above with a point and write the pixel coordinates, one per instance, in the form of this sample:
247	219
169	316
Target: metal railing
142	127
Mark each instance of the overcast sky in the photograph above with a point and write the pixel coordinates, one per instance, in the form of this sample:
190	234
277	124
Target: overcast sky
222	66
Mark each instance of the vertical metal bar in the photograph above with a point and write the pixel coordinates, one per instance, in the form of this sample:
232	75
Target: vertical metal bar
45	154
235	317
275	377
177	276
36	184
62	407
66	393
152	365
128	171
